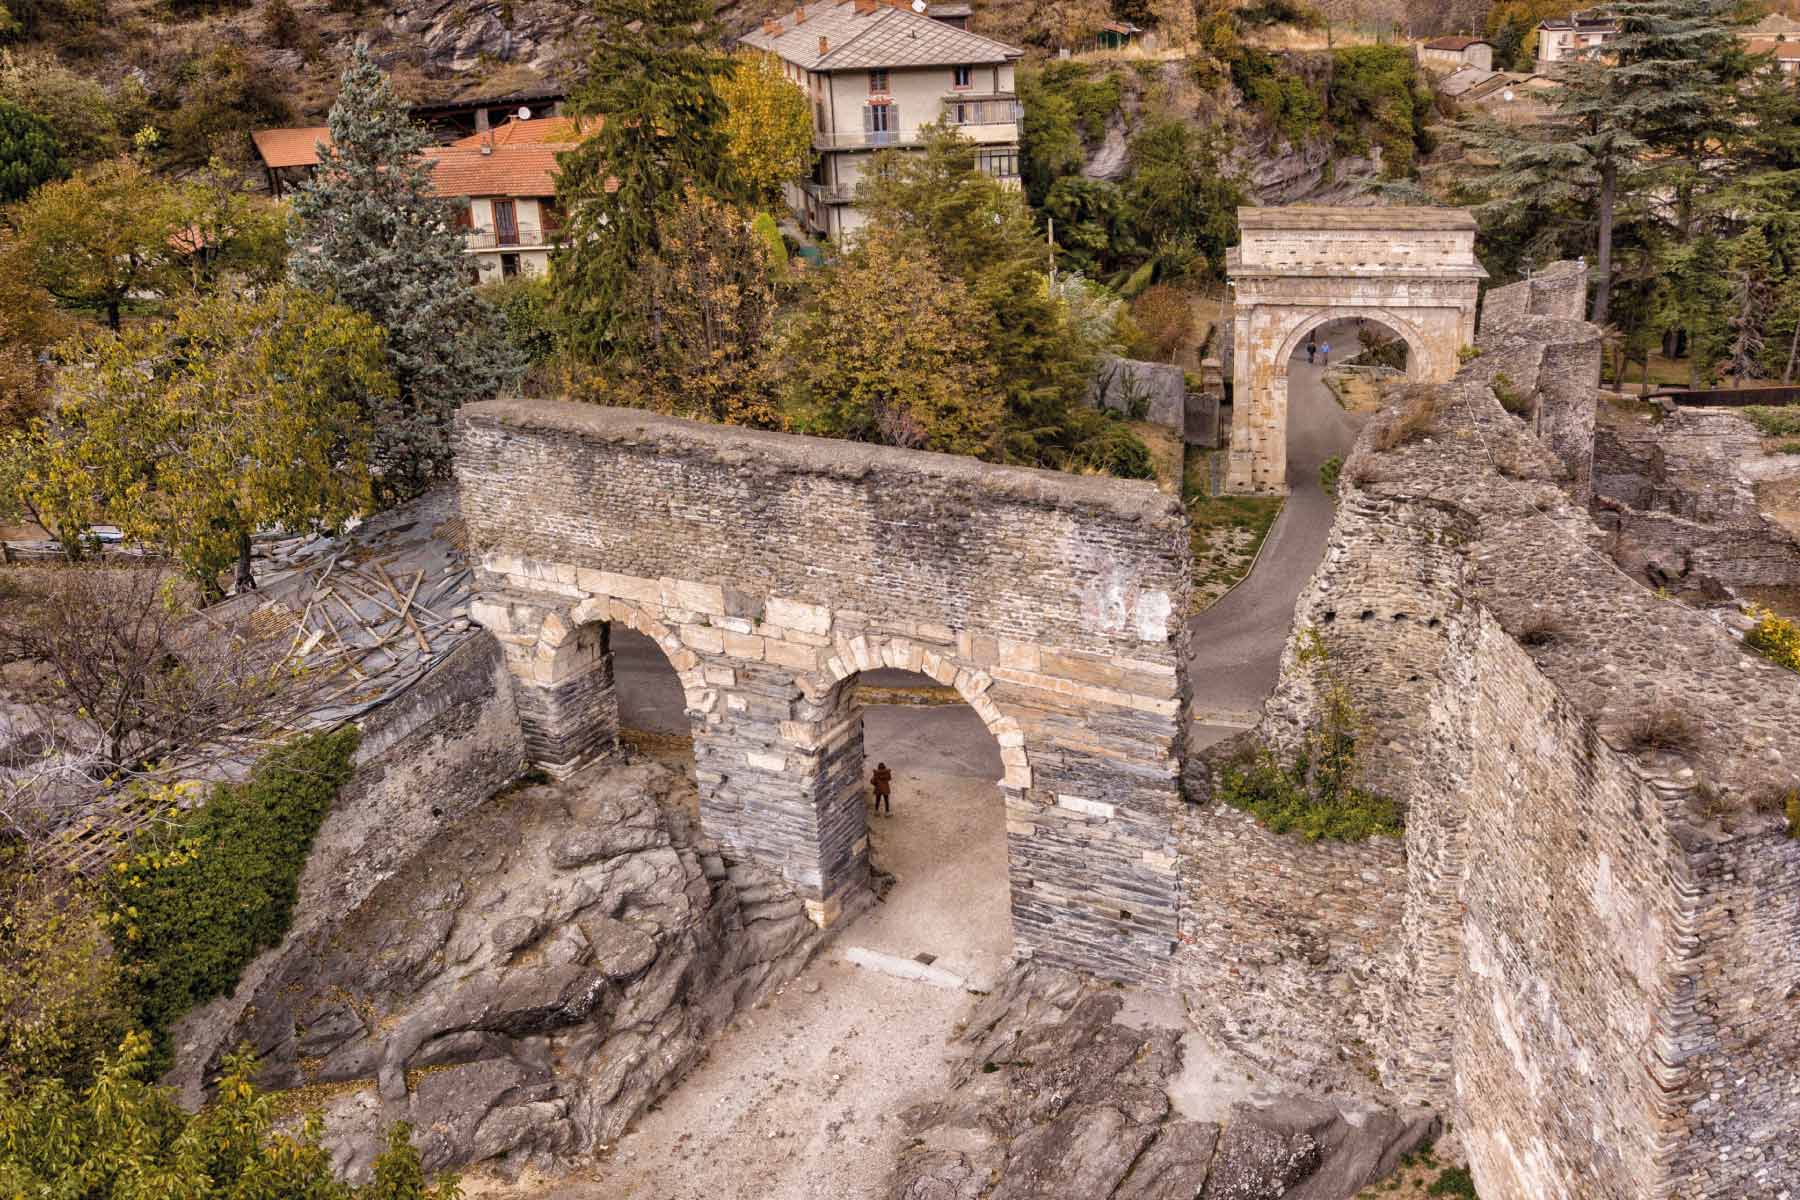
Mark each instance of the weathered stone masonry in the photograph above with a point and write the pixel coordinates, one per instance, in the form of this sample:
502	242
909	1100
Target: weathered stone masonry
772	569
1597	970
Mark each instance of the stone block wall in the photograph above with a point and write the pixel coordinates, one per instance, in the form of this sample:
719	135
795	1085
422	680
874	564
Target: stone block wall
1287	947
773	569
1559	290
1595	973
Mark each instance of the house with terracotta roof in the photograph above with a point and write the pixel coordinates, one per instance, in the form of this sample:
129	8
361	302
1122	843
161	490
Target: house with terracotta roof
1447	54
1784	54
501	184
876	73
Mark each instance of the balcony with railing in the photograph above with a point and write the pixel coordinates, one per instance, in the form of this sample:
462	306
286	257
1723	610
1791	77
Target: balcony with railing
829	193
523	235
980	119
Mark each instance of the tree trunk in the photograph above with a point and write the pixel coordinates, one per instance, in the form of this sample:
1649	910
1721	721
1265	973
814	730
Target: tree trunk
1787	376
1609	187
246	579
112	315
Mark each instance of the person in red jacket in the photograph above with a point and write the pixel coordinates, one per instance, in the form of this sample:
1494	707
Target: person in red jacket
883	779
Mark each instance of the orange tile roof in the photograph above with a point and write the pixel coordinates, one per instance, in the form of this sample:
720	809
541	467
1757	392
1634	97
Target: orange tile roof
291	147
517	170
563	131
1781	50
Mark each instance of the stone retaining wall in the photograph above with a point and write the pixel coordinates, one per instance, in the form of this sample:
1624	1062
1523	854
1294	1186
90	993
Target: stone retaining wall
773	569
1595	969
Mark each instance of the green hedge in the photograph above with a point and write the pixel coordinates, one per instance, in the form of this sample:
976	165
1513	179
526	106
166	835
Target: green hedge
197	898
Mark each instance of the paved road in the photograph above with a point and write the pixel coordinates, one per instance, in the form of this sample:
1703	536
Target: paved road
1236	644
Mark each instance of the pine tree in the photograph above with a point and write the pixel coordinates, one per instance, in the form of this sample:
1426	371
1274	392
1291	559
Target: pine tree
1747	274
371	235
652	80
1649	115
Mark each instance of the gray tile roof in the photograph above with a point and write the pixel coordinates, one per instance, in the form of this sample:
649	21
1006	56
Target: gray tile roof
886	37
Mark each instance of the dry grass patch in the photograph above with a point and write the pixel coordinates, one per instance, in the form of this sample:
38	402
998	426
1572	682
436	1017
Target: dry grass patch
1414	416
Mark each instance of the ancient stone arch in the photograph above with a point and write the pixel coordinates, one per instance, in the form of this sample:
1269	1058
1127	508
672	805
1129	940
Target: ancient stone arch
1412	270
771	570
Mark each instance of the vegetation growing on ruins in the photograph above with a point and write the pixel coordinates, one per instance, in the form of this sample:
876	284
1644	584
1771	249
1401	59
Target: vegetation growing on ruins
1773	420
201	894
1775	638
1317	792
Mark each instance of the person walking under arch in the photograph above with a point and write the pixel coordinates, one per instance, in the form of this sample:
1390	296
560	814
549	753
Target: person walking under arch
1312	348
1325	353
883	781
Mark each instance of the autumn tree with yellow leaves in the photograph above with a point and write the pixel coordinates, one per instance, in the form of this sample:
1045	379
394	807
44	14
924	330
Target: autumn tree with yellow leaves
192	433
768	125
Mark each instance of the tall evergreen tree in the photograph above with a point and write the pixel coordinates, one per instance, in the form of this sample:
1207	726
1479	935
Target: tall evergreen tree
652	80
1649	115
371	235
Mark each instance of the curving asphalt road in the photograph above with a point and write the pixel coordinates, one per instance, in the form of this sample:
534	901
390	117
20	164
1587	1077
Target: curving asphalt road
1235	646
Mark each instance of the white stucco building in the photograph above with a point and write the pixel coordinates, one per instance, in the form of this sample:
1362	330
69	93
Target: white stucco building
875	73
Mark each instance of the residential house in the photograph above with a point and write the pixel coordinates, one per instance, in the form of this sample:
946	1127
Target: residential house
1449	54
501	184
876	73
1510	97
1577	36
1785	54
1120	35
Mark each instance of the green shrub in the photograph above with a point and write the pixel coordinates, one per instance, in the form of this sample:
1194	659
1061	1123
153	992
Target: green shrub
1108	446
200	895
124	1138
1773	420
1454	1181
1329	472
524	303
1318	794
1775	638
1285	98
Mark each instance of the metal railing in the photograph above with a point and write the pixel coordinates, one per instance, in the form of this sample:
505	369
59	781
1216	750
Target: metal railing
528	235
880	138
829	193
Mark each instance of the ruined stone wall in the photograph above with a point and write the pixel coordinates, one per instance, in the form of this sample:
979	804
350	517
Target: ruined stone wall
771	569
1287	947
1559	290
1120	383
1680	499
1596	970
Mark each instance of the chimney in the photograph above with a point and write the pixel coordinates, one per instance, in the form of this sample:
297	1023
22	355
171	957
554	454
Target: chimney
799	15
771	26
865	7
824	46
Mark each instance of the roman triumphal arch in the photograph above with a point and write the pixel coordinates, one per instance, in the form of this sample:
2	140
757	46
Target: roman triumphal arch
1412	270
772	569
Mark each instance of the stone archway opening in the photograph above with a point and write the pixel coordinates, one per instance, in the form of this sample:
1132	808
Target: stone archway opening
653	712
944	846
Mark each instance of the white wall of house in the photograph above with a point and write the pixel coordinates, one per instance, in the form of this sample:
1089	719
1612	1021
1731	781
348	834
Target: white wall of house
918	98
531	255
1479	55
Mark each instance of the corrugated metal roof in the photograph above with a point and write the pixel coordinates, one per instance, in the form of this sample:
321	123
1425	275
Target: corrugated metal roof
861	37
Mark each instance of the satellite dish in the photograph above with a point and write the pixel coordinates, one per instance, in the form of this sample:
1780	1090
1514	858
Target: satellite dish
524	113
919	6
1507	95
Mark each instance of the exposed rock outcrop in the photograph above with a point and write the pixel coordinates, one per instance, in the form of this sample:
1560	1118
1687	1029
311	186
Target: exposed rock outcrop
1058	1098
524	987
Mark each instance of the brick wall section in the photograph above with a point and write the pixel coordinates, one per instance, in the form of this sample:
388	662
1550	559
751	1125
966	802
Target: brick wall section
1596	973
772	569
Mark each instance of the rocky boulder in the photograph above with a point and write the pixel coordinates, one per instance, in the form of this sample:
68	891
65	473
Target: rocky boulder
524	987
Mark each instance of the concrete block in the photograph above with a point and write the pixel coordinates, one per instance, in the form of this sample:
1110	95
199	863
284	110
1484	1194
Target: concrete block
698	597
